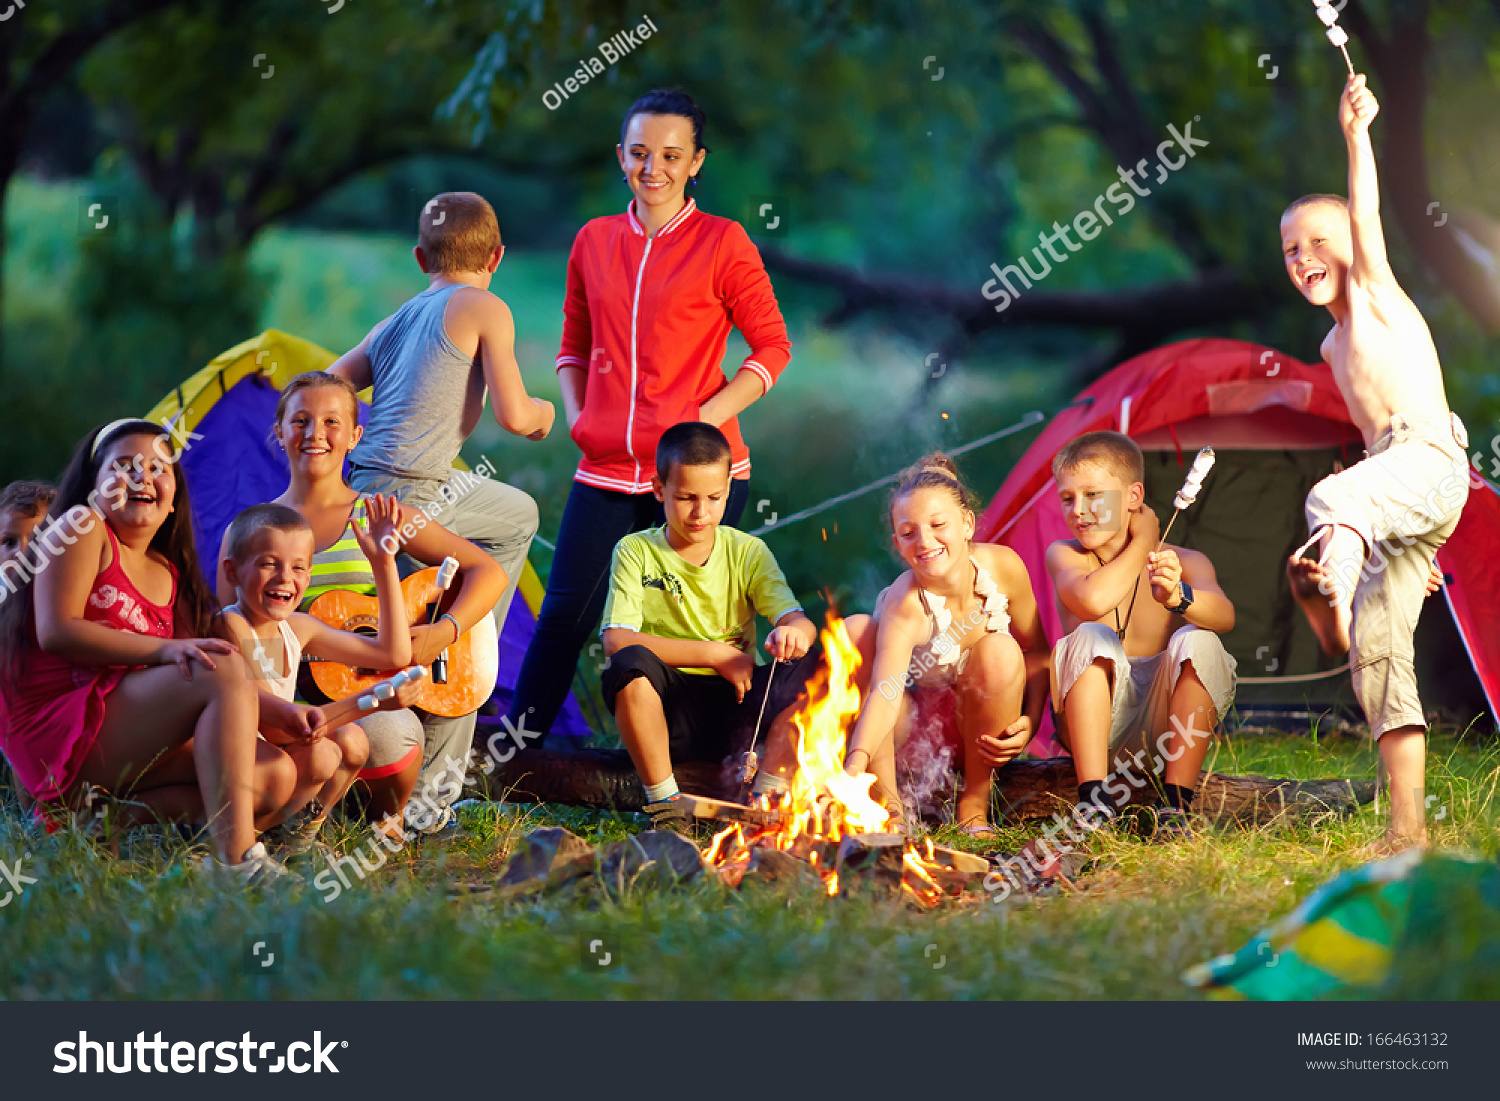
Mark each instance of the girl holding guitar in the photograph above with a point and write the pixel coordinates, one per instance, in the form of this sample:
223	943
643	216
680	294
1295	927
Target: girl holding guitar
317	424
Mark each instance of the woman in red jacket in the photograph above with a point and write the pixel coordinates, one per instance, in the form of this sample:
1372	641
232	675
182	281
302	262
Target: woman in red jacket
652	294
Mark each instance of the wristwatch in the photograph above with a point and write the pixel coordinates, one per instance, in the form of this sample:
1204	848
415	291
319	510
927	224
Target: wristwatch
1181	607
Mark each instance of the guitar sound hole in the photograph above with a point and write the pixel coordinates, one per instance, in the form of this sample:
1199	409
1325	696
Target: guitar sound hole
366	630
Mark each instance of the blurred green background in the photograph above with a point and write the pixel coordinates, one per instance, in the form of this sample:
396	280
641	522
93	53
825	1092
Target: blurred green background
263	166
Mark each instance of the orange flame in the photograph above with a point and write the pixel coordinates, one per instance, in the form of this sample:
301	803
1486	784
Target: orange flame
824	804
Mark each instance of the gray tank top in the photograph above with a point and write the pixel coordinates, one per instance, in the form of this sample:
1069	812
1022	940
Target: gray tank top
425	391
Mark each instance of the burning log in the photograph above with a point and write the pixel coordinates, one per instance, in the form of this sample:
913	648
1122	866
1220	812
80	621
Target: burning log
772	867
1024	790
871	862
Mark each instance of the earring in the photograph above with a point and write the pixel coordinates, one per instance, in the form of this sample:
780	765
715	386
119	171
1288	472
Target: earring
624	178
693	180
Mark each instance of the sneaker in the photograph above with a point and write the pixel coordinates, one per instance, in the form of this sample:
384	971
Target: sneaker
1172	825
1094	817
298	835
442	826
258	869
674	807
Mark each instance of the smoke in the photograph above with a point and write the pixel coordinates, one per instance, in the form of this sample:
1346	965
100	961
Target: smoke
926	773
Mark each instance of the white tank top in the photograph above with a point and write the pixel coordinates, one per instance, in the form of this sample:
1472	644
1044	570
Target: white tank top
262	665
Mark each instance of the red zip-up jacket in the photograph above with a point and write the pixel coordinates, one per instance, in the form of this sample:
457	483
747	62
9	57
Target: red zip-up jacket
649	318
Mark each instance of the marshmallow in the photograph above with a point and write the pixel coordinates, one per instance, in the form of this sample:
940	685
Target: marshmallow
1200	468
446	572
1337	36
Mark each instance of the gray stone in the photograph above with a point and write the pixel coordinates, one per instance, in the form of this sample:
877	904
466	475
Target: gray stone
548	856
663	856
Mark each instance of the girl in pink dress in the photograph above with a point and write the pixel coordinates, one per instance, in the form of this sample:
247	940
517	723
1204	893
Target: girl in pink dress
107	672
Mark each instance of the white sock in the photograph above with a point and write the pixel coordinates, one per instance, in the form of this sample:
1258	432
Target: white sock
768	783
660	793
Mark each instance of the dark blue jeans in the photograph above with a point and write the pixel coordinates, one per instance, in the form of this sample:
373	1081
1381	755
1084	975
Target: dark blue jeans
593	521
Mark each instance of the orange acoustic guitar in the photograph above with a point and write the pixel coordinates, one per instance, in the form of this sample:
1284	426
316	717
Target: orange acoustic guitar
458	683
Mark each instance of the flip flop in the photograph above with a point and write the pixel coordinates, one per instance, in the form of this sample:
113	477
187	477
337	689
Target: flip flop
979	832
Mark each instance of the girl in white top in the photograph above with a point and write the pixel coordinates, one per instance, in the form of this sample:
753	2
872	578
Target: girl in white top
268	561
963	620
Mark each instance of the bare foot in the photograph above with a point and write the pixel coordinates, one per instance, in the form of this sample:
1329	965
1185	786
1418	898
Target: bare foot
1389	844
1328	620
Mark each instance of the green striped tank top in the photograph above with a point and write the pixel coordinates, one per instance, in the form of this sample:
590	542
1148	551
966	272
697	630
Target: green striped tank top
343	565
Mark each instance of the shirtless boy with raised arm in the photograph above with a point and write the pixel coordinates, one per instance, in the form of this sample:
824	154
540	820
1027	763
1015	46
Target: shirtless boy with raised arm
1377	526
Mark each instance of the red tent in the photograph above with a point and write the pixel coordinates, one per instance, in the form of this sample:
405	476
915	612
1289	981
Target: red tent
1278	425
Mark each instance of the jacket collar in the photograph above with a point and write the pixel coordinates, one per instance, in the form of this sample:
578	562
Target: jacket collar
682	216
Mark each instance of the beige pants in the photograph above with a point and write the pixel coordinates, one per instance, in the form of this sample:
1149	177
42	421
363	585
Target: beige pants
1142	697
1404	500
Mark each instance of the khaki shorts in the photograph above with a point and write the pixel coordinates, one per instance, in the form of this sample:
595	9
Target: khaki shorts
1143	686
1404	500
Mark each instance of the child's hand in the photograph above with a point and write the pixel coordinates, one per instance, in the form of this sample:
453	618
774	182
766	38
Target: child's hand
736	667
285	723
786	644
1357	107
408	695
378	536
182	652
1166	577
1145	526
1434	580
549	415
314	720
428	640
1008	745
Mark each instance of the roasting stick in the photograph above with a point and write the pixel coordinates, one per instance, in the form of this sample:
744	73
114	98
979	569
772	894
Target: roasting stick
752	763
446	572
1336	34
357	707
1189	491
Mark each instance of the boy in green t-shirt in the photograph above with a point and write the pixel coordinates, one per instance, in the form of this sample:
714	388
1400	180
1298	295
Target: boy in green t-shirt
679	623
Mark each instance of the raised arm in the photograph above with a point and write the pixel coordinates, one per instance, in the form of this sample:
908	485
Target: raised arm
391	648
1357	108
515	410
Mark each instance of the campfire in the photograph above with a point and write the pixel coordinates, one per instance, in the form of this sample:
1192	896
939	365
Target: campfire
829	819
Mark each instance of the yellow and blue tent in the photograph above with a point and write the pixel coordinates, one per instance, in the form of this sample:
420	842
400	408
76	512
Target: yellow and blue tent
232	463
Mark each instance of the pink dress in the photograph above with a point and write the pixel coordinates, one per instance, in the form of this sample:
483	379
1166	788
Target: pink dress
54	711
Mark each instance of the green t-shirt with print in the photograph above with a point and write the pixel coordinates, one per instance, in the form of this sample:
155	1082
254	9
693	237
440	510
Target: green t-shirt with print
653	590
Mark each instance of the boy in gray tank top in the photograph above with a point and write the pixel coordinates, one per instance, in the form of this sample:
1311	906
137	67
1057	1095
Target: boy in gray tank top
430	364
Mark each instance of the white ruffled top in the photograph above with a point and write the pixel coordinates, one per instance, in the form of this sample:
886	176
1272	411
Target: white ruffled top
941	658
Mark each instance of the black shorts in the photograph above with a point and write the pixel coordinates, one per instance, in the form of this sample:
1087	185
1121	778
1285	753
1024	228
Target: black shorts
703	721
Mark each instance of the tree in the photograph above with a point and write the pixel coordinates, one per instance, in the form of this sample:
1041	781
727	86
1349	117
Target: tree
39	47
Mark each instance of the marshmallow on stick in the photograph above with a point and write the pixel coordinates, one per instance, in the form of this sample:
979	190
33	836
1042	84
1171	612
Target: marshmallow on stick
1336	34
1189	491
351	708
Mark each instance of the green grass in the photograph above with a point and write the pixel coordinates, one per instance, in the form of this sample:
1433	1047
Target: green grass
430	925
